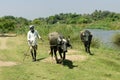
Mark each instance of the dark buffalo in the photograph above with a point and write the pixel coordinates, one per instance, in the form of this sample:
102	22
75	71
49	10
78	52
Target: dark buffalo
86	38
60	44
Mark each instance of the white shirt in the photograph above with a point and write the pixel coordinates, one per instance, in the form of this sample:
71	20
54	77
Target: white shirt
32	38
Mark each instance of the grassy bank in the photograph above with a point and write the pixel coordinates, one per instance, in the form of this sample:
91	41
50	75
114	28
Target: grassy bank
103	65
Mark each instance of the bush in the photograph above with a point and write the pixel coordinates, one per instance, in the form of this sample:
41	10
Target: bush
95	43
116	39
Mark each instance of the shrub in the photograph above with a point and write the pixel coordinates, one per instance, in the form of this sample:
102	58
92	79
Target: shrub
116	39
95	43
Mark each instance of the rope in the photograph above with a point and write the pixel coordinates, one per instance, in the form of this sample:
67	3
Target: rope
26	54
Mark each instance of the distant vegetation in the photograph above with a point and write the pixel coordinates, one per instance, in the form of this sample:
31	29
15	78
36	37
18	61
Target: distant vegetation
71	21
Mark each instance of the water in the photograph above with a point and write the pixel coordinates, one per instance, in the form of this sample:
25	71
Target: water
105	36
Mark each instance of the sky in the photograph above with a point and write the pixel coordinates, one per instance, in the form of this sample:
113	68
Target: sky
31	9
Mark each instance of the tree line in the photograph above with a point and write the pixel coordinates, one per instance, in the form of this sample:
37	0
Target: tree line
12	24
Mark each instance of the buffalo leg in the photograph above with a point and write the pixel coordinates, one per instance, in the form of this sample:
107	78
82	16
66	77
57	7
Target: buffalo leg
55	50
85	45
64	56
60	52
60	55
51	51
89	49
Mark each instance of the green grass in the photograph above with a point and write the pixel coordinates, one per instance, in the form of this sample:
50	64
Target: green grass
103	65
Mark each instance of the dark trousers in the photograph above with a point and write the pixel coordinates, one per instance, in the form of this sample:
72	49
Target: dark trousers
33	52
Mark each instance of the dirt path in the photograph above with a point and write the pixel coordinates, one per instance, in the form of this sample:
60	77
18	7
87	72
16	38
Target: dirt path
5	63
71	55
3	42
3	45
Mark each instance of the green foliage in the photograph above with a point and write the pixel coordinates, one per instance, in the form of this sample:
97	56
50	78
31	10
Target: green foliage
9	24
39	21
95	43
98	19
74	18
106	25
115	25
116	39
22	30
6	26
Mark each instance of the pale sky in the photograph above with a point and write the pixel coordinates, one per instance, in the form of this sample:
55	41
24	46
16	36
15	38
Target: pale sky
31	9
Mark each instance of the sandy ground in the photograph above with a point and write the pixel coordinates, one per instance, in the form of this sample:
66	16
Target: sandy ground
8	63
3	45
69	56
3	41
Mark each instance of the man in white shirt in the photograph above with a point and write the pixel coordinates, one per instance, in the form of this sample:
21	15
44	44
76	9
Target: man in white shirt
32	37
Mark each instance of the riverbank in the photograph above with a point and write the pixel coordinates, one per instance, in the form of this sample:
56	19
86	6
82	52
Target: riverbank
104	64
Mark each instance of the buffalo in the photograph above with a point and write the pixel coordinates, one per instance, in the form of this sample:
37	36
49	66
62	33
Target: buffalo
86	38
58	43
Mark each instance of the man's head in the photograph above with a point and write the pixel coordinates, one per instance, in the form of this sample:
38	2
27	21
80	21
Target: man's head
31	28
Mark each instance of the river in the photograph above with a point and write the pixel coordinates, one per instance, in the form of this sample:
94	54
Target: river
105	36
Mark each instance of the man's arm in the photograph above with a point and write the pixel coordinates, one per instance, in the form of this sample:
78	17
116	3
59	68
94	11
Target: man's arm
39	36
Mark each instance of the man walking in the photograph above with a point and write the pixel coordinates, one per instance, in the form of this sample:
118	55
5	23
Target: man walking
32	37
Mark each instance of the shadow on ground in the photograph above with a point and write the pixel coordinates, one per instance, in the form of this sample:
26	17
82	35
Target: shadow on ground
40	59
69	64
